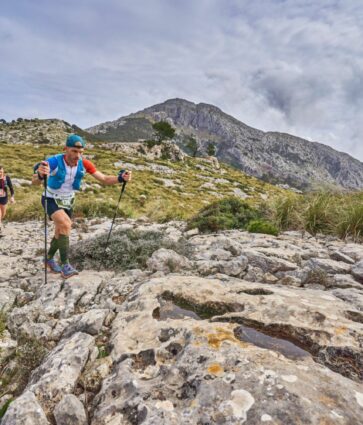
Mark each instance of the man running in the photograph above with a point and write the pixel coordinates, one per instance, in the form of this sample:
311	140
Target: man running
65	173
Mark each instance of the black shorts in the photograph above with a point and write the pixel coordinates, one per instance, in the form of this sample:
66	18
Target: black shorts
52	207
3	200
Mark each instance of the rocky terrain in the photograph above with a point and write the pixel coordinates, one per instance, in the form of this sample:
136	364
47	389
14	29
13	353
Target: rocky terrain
39	132
273	156
242	328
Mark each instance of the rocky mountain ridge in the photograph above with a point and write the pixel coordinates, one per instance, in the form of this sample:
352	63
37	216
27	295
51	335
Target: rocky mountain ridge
277	157
39	132
241	328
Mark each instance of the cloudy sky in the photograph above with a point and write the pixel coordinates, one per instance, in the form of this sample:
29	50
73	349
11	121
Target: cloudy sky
285	65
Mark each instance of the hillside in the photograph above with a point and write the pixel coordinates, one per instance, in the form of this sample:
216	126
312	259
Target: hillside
272	156
161	189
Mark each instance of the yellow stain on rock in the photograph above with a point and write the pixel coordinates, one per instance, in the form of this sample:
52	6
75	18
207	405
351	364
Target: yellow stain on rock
327	401
215	369
215	339
341	330
194	403
198	330
326	421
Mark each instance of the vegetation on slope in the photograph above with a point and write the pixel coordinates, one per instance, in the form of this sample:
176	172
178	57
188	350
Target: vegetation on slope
175	190
163	190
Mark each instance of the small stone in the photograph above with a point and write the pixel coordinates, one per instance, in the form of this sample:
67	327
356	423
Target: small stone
269	278
339	256
289	378
359	398
357	271
70	411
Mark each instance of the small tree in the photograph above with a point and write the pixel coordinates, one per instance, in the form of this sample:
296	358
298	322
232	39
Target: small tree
163	131
211	149
192	144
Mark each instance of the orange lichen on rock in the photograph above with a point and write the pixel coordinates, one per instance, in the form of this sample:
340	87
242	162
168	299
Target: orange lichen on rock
215	369
328	401
215	339
341	330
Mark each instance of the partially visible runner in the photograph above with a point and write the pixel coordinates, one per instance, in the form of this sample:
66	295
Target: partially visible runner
5	185
65	173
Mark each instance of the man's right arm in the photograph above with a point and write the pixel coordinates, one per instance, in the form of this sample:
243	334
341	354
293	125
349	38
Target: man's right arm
40	170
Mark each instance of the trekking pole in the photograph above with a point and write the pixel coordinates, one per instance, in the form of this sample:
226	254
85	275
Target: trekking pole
114	217
45	229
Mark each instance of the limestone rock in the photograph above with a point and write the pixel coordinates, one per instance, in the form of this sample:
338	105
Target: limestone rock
60	370
329	266
25	410
167	260
357	271
7	345
90	322
70	411
272	334
204	371
339	256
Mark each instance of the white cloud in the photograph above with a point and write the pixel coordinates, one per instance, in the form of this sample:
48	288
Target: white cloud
288	65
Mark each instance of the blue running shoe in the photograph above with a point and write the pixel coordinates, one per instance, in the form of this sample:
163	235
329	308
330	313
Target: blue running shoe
53	266
68	271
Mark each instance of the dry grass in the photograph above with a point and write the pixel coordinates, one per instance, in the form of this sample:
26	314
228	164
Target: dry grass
147	195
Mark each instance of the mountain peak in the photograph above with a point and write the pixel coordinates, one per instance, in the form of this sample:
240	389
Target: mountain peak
272	156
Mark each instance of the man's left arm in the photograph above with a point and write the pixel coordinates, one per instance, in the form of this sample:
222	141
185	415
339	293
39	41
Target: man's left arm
124	176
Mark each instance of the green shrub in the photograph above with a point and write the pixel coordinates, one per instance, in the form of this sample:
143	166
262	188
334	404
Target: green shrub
319	215
262	226
29	355
284	212
100	208
103	352
228	213
317	277
151	143
5	408
350	221
128	249
2	323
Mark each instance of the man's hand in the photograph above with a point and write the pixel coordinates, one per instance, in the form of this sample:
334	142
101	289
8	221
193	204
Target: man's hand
12	200
43	169
124	176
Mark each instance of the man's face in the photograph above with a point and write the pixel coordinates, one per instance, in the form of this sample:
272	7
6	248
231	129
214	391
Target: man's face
73	155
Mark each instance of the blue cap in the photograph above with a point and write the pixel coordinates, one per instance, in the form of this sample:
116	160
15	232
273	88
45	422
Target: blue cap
75	141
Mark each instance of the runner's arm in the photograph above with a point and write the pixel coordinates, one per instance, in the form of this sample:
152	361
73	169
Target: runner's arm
10	185
109	180
102	178
43	168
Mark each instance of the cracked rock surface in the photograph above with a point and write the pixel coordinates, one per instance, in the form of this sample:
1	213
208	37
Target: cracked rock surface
241	328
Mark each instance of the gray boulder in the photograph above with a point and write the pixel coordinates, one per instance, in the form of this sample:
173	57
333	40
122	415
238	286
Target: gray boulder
167	260
25	410
70	411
